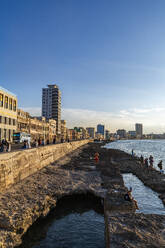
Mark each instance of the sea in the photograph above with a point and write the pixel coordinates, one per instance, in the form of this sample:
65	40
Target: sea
148	200
156	148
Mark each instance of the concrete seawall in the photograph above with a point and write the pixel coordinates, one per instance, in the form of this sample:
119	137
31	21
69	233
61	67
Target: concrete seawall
18	165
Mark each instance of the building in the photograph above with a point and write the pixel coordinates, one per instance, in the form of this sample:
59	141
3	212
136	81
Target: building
51	105
122	133
63	130
52	130
100	129
37	127
23	121
132	134
8	114
107	134
72	134
79	132
139	130
91	132
85	134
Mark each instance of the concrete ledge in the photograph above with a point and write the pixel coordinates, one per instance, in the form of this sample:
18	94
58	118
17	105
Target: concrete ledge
18	165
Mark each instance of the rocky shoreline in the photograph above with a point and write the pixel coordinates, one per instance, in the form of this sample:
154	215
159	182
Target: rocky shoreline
76	173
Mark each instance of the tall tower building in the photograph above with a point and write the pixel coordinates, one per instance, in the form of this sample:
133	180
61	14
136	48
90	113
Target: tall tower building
139	129
91	131
100	129
51	104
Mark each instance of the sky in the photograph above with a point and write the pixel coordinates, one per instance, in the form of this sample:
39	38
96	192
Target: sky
106	56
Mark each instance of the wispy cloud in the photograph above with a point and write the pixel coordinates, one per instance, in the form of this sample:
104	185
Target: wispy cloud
153	119
34	111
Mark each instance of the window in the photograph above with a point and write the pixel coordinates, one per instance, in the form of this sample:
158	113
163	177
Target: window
5	131
9	135
10	103
0	119
6	102
14	122
1	100
14	105
9	121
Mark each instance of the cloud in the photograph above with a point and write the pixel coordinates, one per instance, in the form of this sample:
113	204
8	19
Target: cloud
153	119
34	111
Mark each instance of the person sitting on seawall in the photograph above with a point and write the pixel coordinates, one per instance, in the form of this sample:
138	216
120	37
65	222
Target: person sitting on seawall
128	197
96	157
160	166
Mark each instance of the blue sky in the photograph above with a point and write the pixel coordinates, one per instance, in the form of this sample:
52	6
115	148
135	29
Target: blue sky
107	56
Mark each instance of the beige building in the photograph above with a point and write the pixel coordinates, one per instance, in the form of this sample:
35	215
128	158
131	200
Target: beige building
8	114
63	130
52	130
91	132
23	121
37	127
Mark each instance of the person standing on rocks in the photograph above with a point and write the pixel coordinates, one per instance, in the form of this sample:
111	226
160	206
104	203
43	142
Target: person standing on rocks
132	153
146	162
142	160
160	166
96	157
151	160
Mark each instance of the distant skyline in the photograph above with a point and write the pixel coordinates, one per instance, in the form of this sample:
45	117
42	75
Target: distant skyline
107	57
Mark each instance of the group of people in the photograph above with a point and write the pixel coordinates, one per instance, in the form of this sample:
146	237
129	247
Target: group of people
41	142
148	163
5	146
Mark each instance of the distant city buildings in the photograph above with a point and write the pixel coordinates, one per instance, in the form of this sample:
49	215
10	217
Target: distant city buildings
139	130
49	126
131	134
91	132
107	134
100	129
8	114
51	105
122	133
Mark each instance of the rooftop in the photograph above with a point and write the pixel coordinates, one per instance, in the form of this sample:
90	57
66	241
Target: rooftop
7	91
52	85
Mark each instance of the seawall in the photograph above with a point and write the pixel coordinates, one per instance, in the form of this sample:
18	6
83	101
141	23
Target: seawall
16	166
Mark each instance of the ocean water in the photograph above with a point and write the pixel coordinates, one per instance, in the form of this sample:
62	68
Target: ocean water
148	200
156	148
76	222
75	231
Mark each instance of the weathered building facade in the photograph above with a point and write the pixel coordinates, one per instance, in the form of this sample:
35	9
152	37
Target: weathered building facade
37	127
8	114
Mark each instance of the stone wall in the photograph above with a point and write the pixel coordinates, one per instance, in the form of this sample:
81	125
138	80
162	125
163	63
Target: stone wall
18	165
